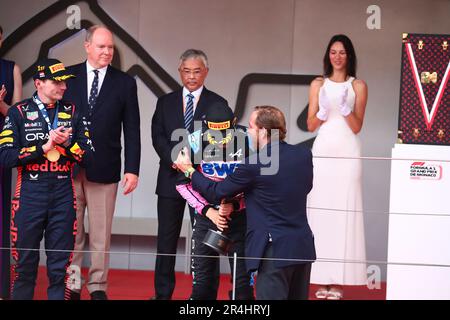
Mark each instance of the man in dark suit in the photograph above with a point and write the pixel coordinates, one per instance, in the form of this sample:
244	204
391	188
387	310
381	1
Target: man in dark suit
275	197
108	97
175	111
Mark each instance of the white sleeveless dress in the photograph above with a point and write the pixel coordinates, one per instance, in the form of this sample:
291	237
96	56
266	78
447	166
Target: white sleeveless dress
339	232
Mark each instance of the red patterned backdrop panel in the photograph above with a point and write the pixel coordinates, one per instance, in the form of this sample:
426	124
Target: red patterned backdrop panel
424	116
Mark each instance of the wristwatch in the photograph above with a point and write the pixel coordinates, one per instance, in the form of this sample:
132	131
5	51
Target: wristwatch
188	172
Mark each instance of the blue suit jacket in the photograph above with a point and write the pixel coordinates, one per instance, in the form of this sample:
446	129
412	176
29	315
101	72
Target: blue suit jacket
276	203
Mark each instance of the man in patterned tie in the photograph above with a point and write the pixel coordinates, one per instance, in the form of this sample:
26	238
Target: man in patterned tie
93	93
176	110
108	97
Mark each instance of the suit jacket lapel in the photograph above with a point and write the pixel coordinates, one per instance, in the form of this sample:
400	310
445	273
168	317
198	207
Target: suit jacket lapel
179	111
202	104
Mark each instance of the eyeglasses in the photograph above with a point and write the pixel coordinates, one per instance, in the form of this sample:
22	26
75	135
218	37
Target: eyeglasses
195	73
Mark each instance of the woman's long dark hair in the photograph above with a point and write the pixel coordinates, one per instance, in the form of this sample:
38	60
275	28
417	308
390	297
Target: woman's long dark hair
351	56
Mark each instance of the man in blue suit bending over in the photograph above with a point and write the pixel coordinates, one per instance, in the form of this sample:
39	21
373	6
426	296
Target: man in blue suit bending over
276	181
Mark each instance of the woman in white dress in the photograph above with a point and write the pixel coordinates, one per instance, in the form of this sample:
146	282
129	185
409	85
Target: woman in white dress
337	103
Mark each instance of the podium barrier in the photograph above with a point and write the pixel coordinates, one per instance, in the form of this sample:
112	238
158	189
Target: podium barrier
419	223
148	227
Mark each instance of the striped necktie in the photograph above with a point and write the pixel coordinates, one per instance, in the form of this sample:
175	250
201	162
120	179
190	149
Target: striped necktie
189	113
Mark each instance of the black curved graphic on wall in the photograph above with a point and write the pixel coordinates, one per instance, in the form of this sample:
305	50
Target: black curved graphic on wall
274	78
61	6
137	70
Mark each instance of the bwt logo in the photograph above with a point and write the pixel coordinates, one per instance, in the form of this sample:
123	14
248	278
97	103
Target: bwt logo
219	169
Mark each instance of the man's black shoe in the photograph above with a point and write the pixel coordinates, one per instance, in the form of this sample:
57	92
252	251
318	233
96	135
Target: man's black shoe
99	295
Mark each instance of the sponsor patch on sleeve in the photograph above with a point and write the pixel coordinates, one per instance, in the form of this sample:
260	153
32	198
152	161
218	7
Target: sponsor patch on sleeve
6	133
6	140
76	150
28	150
63	115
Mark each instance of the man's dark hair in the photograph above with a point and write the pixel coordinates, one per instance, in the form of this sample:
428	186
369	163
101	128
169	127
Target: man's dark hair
351	55
1	30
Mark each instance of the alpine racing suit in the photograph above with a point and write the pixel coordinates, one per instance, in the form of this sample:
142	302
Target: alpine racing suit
44	200
216	164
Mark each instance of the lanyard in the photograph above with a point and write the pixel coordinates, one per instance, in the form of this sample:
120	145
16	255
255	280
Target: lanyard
45	113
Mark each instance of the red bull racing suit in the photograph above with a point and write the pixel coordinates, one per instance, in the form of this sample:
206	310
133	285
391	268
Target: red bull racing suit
44	200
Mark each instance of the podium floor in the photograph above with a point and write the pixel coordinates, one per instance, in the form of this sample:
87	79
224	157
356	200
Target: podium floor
138	285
